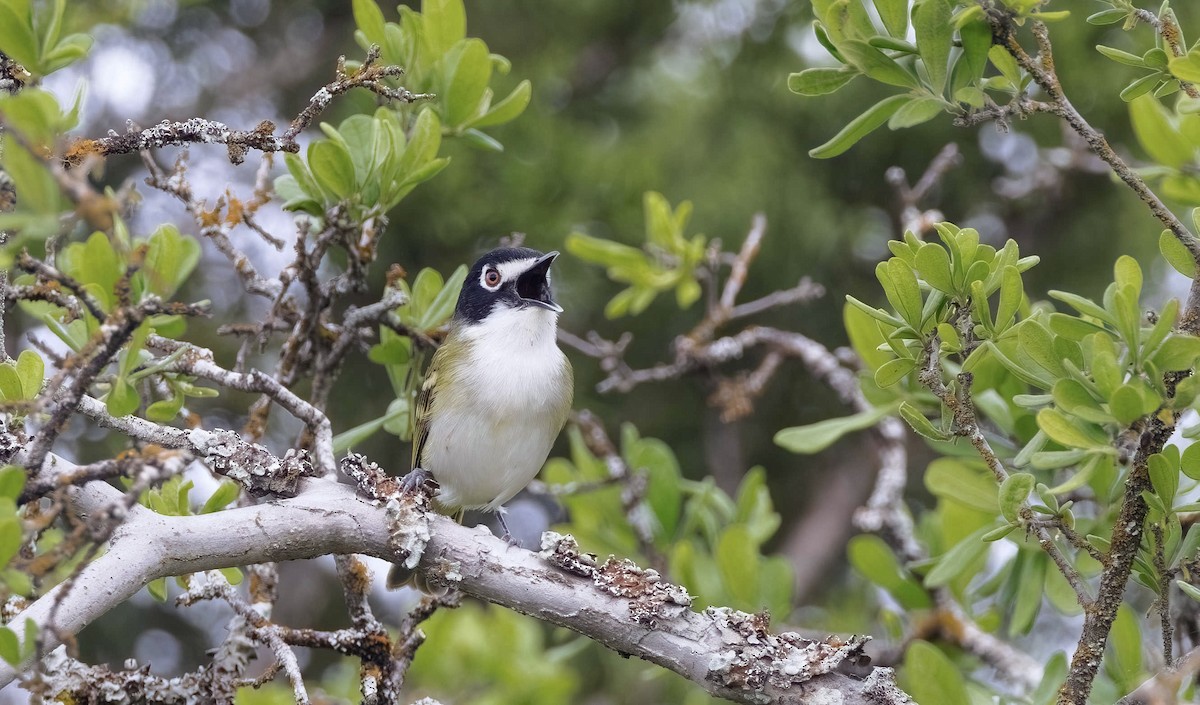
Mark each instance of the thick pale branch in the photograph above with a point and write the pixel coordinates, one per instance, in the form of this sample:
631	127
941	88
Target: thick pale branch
719	649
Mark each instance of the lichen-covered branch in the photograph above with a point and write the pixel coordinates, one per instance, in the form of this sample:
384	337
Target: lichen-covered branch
370	75
729	653
1041	69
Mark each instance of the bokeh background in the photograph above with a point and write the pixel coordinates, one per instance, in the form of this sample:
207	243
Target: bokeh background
687	98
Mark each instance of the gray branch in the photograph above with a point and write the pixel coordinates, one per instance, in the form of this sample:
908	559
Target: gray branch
731	654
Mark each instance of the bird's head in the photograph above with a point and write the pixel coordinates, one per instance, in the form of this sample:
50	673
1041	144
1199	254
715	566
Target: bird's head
506	279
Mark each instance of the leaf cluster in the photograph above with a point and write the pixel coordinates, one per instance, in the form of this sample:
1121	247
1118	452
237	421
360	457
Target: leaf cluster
108	270
668	259
367	163
439	58
33	36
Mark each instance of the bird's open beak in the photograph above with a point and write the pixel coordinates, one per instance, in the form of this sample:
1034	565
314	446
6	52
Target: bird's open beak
533	285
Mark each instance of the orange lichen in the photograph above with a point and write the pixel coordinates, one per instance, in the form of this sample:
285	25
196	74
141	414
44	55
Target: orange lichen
82	148
233	216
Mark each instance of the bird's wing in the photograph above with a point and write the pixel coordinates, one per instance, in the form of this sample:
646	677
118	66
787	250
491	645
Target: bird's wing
421	414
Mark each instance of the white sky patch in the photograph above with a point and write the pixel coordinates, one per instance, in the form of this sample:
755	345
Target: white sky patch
127	78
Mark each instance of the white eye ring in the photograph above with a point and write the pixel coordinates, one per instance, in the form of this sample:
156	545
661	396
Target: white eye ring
490	279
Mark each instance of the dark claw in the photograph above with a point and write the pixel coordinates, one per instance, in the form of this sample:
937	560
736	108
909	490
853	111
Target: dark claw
418	480
508	537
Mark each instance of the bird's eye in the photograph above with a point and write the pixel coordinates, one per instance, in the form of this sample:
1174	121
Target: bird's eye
491	278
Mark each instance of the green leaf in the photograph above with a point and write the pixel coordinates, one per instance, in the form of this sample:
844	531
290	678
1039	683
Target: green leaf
976	39
1071	396
820	81
894	14
170	258
10	537
860	127
893	371
905	294
865	336
441	306
1005	63
332	168
1140	87
225	493
931	678
999	533
1158	135
876	562
508	109
933	265
1126	404
94	262
663	491
916	111
1013	492
1186	67
1011	294
1127	272
1155	58
445	23
875	64
1176	253
10	648
951	478
1121	57
71	49
1164	477
1188	589
876	313
1036	341
923	426
470	77
958	559
12	481
369	19
737	559
10	383
1109	16
1179	352
123	399
1027	600
17	37
934	31
816	437
158	589
1190	462
1083	305
165	410
1073	433
1126	641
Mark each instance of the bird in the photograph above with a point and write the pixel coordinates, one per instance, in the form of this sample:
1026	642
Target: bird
497	392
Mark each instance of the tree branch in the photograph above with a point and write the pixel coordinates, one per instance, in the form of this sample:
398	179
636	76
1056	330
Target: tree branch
729	653
238	142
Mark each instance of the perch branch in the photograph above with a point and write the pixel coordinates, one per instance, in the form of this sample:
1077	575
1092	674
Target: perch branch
730	654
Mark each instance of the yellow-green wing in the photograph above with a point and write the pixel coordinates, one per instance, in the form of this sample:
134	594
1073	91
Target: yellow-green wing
422	412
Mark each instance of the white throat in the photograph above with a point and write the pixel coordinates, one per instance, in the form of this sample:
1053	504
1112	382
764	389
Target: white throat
510	330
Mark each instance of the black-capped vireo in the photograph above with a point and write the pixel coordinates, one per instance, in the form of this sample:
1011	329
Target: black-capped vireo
497	391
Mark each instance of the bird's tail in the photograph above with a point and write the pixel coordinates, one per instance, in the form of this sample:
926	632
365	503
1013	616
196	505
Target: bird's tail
399	575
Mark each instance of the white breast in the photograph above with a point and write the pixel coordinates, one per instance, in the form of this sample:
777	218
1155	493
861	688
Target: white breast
490	437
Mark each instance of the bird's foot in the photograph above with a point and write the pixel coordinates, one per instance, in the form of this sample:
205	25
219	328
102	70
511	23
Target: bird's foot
417	480
508	537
